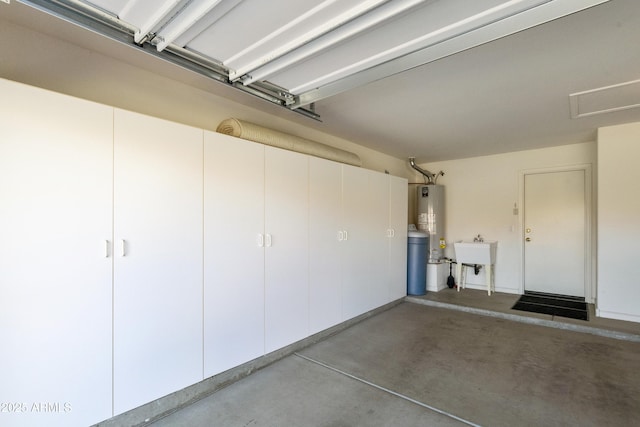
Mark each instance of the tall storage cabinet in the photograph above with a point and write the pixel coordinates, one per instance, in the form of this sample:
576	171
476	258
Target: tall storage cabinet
158	182
287	248
233	252
365	205
397	233
326	238
358	241
256	250
354	265
377	238
55	258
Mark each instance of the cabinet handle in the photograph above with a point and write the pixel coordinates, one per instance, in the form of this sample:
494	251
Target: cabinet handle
123	245
106	249
260	241
268	240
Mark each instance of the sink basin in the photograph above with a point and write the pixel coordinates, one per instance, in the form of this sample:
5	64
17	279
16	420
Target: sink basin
475	252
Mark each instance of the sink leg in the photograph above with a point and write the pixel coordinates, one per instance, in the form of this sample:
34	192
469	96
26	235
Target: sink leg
459	275
488	277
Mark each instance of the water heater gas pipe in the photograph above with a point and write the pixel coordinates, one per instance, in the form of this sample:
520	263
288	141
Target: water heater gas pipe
430	177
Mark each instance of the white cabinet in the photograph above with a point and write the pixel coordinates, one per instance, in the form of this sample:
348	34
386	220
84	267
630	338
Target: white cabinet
358	241
256	250
55	258
378	240
158	182
286	248
398	212
326	238
233	252
365	250
138	256
354	264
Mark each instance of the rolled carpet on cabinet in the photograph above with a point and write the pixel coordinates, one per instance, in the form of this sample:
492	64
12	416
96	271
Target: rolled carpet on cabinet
253	132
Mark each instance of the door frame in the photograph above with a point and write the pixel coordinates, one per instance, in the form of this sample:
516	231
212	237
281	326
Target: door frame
590	244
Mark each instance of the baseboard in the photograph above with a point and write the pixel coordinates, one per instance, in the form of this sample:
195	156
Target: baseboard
617	316
164	406
502	290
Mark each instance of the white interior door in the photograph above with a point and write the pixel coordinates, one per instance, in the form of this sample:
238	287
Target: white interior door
555	232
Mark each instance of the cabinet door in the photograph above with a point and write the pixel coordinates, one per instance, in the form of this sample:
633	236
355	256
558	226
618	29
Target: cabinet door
158	264
233	252
325	240
365	251
55	259
355	184
398	211
377	246
286	252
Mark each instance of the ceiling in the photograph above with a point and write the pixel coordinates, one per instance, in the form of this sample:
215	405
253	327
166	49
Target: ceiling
431	79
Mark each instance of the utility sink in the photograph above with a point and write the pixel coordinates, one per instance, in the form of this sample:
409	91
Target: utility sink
483	253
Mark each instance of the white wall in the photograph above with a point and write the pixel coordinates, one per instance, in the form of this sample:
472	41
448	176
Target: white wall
619	222
480	195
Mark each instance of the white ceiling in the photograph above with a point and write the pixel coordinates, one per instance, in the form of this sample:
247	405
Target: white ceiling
505	95
508	95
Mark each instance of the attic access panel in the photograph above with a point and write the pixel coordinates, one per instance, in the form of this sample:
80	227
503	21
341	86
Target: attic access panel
296	52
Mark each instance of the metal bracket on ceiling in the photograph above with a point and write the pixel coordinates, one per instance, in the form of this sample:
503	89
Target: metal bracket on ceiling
289	99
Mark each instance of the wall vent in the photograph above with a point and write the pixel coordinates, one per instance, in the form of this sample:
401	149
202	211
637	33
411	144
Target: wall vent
622	96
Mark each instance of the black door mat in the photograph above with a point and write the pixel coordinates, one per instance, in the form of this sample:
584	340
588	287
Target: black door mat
555	305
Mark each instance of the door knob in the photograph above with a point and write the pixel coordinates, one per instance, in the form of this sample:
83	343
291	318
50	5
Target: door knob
528	239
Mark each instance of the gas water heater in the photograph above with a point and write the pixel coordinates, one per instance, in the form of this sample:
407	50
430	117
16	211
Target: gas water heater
431	219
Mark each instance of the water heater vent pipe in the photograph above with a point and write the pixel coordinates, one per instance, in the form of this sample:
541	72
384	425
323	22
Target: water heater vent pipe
430	177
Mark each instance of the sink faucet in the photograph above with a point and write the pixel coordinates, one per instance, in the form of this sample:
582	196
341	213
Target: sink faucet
478	238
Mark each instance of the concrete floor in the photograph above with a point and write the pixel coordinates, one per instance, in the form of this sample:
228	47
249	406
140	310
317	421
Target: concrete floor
421	365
